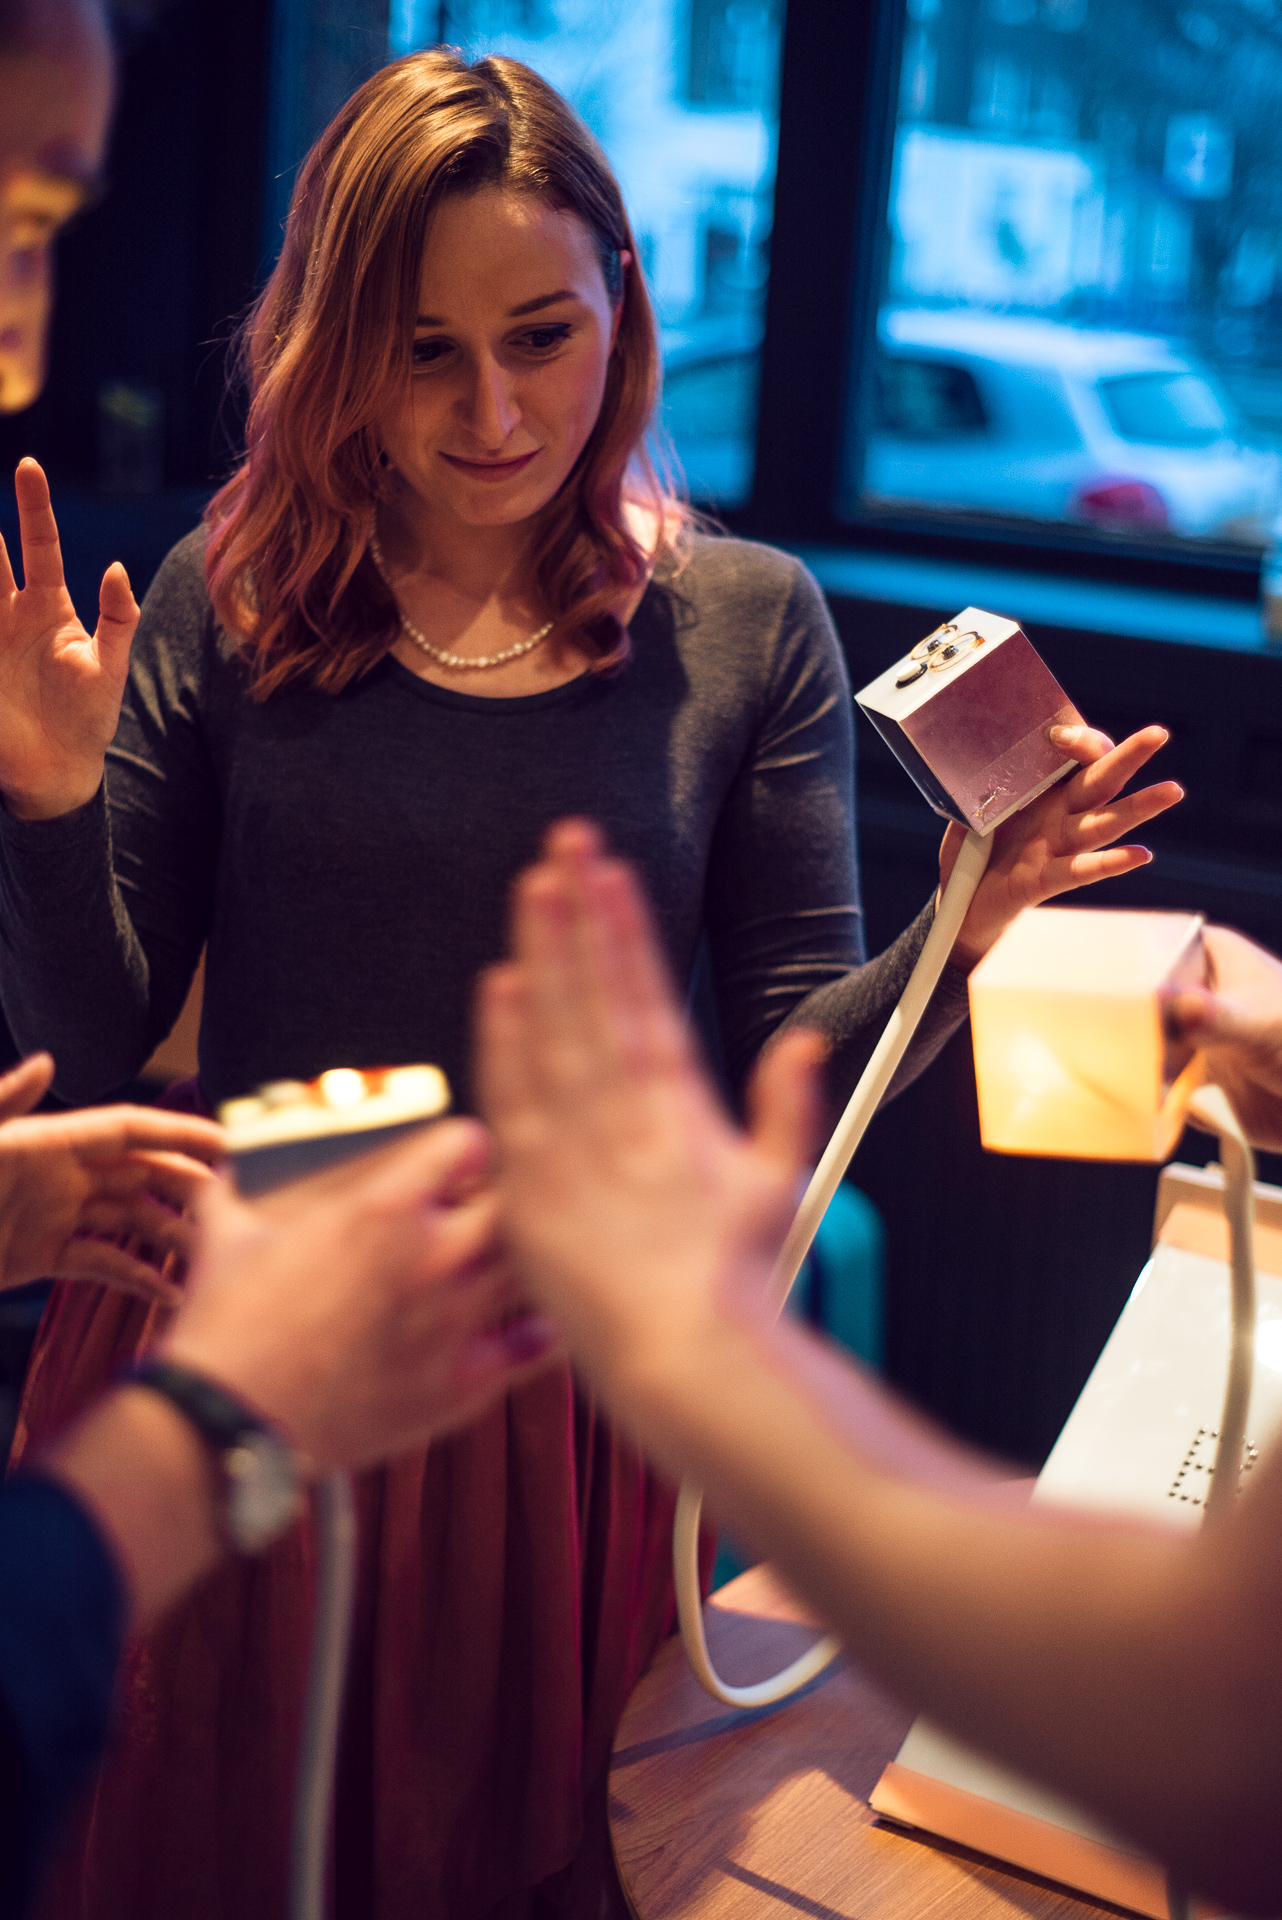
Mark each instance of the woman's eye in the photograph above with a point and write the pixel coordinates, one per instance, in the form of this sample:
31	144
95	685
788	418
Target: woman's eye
543	339
427	352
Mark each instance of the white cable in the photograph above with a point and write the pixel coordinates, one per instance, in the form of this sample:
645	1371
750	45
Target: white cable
864	1102
1179	1901
1210	1106
314	1790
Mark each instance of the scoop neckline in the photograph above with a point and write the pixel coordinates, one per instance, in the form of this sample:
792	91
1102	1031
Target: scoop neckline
492	703
569	690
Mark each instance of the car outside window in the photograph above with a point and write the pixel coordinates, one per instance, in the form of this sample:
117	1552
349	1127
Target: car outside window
927	399
1082	202
1166	410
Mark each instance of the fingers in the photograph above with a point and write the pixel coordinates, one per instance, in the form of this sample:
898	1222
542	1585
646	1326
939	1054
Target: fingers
97	1131
433	1167
504	1070
117	619
8	585
1212	1021
626	942
25	1085
144	1219
1084	869
1081	743
501	1358
1099	825
543	945
111	1266
949	848
41	551
1104	776
784	1102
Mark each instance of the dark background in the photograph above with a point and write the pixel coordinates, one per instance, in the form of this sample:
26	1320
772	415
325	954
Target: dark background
1005	1276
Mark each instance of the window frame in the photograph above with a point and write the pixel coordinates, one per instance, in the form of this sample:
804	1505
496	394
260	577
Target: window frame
840	70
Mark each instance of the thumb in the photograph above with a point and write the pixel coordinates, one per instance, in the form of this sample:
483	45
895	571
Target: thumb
25	1085
1212	1021
117	619
783	1100
949	848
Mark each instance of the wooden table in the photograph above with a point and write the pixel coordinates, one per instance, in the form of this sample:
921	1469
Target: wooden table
718	1814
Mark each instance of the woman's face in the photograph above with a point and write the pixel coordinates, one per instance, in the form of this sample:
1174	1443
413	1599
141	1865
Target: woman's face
511	348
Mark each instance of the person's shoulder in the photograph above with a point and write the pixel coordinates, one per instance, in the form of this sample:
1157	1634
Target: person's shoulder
179	582
761	601
717	564
180	642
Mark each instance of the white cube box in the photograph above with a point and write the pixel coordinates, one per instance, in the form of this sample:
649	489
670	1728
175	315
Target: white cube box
967	711
1071	1057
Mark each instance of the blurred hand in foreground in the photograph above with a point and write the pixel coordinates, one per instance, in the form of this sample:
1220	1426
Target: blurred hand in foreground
633	1206
73	1186
364	1309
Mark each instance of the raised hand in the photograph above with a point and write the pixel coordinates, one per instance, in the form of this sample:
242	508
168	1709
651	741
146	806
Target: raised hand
1055	844
74	1185
635	1209
60	689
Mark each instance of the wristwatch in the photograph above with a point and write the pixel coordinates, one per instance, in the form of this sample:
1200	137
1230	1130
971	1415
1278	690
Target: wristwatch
261	1480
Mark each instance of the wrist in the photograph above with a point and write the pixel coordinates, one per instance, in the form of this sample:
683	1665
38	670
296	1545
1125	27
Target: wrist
54	802
258	1474
143	1474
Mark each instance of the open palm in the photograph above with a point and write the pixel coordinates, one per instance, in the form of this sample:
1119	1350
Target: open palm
1064	838
60	687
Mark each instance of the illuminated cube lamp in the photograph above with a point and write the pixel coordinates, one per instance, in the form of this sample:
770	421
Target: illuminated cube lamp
1066	1017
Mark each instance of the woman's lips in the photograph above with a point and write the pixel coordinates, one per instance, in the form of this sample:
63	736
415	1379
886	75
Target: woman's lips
490	470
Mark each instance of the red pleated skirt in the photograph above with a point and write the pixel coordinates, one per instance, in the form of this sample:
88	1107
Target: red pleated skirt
515	1582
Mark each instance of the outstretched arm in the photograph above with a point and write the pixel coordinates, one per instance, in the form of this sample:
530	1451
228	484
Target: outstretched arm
1138	1670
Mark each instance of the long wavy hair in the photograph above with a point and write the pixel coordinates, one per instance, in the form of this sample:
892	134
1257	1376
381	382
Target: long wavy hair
328	346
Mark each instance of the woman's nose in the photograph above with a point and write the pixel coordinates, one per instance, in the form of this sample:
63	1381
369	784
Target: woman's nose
492	404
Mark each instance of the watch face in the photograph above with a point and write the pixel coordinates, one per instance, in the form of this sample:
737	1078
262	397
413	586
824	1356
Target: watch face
263	1492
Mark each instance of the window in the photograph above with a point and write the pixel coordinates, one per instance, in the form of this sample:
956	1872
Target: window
1079	306
683	96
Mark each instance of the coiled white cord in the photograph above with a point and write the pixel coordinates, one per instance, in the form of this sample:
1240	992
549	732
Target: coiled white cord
864	1102
318	1751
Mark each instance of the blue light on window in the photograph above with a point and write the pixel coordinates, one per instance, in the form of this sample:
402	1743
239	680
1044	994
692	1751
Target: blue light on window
1081	320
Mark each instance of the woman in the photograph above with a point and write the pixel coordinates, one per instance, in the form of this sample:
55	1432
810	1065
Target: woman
444	601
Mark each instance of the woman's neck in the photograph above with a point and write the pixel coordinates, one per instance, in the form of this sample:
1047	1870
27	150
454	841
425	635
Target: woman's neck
479	563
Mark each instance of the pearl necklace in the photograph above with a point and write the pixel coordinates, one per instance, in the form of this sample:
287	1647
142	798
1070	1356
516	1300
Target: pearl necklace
439	654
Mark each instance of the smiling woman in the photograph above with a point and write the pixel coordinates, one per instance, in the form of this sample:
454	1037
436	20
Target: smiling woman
504	396
394	384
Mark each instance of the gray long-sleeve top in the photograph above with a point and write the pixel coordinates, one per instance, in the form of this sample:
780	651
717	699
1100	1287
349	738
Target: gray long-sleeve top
348	858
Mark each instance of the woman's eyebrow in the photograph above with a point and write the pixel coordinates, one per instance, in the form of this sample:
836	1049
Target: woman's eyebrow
514	313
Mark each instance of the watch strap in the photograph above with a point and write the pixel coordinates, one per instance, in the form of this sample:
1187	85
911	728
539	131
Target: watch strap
259	1472
219	1418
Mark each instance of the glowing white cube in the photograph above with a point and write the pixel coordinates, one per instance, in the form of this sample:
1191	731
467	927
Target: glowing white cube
1070	1054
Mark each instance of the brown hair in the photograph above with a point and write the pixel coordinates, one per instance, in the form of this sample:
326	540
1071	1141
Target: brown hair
328	345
